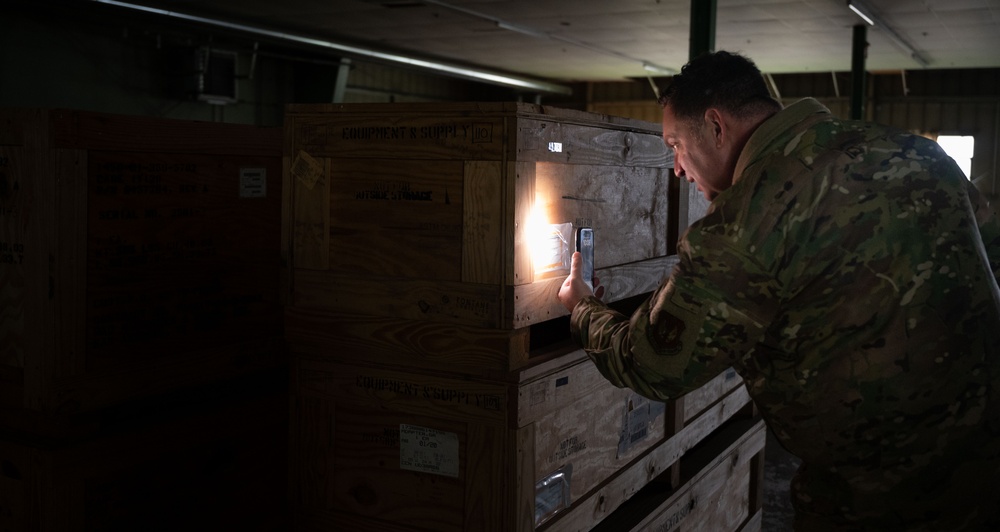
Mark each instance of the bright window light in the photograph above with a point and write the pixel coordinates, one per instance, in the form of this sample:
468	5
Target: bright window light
960	148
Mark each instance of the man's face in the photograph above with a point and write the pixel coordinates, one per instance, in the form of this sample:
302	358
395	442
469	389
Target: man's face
697	155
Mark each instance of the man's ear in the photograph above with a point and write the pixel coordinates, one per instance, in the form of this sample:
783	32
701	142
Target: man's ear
717	123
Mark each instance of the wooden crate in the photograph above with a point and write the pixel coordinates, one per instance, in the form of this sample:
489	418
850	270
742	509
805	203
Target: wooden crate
214	465
451	212
478	352
137	255
388	449
720	488
692	206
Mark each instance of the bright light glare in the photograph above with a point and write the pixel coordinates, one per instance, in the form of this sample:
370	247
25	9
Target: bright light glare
862	15
547	242
960	148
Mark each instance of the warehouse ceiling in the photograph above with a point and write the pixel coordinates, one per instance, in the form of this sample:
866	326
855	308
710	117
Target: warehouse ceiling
598	40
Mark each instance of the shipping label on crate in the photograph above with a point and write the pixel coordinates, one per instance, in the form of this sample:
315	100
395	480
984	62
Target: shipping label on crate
428	450
552	494
551	247
307	169
638	418
253	182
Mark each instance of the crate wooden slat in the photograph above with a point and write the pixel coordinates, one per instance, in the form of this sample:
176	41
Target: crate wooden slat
409	339
618	490
719	489
454	302
137	256
429	211
494	443
692	205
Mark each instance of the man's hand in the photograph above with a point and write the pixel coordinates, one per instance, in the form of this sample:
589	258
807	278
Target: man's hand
574	288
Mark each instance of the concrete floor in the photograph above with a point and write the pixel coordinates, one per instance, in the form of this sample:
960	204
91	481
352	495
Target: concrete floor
779	467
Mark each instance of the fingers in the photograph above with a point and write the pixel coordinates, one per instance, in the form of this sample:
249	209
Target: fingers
575	265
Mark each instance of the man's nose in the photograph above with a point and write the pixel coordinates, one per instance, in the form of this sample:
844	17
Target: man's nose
679	170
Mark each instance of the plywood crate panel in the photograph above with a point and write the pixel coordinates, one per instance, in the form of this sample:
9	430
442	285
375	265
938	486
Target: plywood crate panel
430	211
137	255
722	399
720	488
378	448
221	465
437	345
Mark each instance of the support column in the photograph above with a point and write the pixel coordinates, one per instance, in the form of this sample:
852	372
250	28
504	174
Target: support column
859	52
340	84
702	27
679	192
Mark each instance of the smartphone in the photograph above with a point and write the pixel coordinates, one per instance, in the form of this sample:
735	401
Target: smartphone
585	245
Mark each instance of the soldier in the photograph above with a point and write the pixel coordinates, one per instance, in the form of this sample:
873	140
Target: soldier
848	271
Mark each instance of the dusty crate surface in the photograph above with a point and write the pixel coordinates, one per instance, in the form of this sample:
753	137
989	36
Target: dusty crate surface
457	454
718	491
663	463
463	212
435	345
559	449
136	255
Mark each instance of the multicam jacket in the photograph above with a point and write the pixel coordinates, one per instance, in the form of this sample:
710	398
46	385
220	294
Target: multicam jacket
850	276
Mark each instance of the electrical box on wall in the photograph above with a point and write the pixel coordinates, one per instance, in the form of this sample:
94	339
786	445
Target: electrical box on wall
215	81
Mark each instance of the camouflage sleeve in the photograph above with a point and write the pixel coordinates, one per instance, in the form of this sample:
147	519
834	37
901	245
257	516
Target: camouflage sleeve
682	336
989	228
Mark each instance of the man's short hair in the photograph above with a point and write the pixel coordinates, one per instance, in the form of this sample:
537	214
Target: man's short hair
723	80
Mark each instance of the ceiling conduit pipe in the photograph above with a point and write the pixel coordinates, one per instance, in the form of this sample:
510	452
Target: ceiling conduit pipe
464	72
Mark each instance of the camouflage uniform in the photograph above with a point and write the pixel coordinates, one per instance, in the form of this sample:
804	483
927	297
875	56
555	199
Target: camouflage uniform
850	276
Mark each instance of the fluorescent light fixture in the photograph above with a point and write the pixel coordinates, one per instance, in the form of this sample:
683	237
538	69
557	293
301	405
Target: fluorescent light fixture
863	11
522	30
455	70
657	69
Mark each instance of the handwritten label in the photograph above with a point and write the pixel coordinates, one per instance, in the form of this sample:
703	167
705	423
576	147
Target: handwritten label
428	450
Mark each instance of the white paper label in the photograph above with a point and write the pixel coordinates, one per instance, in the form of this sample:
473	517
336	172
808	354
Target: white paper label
555	147
428	450
550	248
253	182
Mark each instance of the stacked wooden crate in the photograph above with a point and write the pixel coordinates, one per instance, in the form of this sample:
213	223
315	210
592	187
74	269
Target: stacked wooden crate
434	382
139	267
